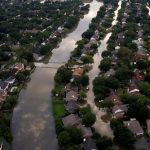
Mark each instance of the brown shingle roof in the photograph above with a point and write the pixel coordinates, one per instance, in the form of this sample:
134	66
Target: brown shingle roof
72	106
71	95
70	87
119	111
78	72
134	126
71	120
114	98
86	131
133	89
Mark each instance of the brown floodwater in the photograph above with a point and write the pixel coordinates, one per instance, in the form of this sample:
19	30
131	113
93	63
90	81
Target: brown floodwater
100	126
32	123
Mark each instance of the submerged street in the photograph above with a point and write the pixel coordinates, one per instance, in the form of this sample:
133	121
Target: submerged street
100	126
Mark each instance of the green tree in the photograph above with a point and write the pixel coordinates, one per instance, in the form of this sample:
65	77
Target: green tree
104	143
144	88
141	64
122	134
75	134
63	75
21	77
89	119
123	74
88	59
105	64
63	138
88	34
45	49
84	80
147	78
82	95
107	104
59	90
136	110
106	53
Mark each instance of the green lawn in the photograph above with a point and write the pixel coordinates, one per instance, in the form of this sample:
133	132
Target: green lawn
59	108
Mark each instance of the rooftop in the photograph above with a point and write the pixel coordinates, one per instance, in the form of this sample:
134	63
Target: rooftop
71	120
72	95
89	144
134	126
114	98
86	131
78	71
72	106
119	111
4	85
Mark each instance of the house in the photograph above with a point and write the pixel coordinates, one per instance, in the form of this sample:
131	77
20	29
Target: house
140	41
114	98
77	72
71	120
117	48
97	32
72	106
120	35
125	15
86	131
124	21
95	36
60	30
89	144
109	73
141	51
70	87
133	89
15	46
148	127
139	75
4	85
16	68
120	38
28	68
11	80
19	66
75	66
3	95
34	31
93	41
37	57
134	126
119	111
79	61
139	55
114	60
109	7
87	46
71	95
140	33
